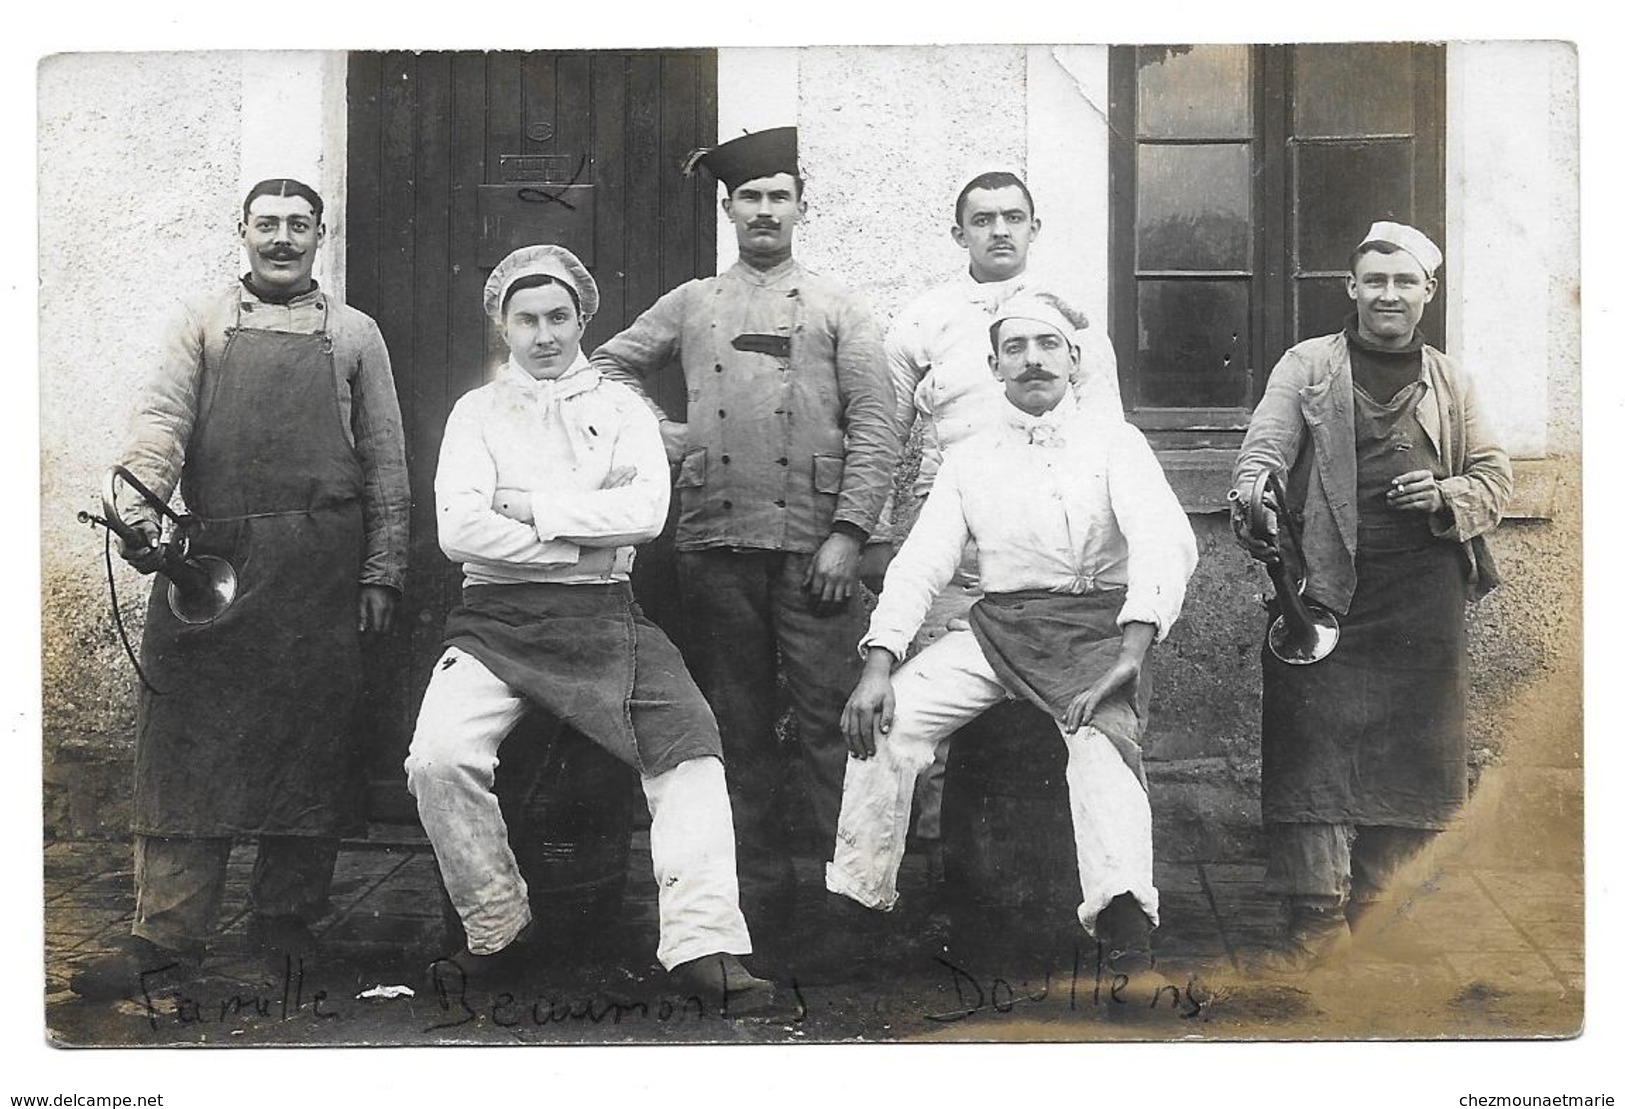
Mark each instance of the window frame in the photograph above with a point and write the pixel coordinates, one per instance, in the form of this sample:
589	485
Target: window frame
1275	207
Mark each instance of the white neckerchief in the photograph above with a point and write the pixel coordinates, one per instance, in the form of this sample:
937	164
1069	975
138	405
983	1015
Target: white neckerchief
578	378
1048	429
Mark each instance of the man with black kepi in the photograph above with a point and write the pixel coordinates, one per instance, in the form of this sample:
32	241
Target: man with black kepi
1084	556
273	409
1395	476
784	462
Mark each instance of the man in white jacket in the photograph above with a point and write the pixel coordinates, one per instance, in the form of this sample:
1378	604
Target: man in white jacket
1084	557
548	476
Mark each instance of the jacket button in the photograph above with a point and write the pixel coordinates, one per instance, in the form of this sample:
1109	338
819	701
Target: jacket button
727	504
726	460
722	413
779	503
784	462
719	367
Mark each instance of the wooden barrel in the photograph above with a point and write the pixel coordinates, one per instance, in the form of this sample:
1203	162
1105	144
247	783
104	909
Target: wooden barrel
569	806
1009	865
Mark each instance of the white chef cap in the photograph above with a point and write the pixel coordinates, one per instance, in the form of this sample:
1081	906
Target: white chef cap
1044	307
1408	239
543	259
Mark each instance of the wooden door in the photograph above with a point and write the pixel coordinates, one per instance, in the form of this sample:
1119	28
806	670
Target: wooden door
454	160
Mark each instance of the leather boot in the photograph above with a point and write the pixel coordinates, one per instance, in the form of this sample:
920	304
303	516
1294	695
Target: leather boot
724	985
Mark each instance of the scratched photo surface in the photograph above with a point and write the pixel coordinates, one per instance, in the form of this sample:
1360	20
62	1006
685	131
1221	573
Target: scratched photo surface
1197	204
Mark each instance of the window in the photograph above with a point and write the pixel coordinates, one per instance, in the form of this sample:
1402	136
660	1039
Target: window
1240	178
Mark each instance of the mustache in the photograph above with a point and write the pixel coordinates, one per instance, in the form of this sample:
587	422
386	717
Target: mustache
763	225
282	253
1037	375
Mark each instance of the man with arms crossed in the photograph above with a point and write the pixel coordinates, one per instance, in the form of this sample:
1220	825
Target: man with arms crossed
548	476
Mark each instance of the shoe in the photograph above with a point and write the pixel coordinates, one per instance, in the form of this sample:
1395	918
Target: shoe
1123	931
1313	938
724	985
493	971
133	962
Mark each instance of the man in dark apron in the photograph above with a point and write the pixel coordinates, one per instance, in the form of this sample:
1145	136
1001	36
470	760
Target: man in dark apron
1395	476
274	411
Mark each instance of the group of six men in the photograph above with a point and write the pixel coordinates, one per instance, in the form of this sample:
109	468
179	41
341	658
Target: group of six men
1048	556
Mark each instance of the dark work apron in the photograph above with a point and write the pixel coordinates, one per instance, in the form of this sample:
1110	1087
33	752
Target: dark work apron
252	732
1049	647
1375	733
586	655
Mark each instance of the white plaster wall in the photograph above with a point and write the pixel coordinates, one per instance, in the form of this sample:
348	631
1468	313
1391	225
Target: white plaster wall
295	124
1068	169
1513	250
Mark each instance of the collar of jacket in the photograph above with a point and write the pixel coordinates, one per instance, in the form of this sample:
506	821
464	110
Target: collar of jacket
753	276
313	296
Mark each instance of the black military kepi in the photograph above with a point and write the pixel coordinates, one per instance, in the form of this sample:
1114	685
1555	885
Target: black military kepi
759	154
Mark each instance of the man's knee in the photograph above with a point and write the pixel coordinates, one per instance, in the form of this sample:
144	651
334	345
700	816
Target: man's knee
447	762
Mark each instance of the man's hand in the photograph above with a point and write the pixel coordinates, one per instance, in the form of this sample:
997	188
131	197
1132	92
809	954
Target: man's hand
1124	674
1262	549
376	609
833	572
674	437
1417	491
872	564
146	558
868	712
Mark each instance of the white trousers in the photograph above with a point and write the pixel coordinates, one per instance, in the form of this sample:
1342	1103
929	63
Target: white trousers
467	712
944	686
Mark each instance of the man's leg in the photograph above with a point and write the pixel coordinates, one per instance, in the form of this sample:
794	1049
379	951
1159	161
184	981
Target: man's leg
1111	826
951	607
467	711
691	834
1310	865
731	655
821	667
691	842
288	889
1377	855
178	886
936	691
179	882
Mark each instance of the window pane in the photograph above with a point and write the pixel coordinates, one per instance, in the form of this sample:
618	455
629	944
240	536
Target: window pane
1353	89
1195	204
1323	306
1193	344
1195	92
1343	188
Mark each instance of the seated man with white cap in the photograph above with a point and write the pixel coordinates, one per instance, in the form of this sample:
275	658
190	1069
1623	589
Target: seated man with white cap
1389	464
1084	555
548	476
